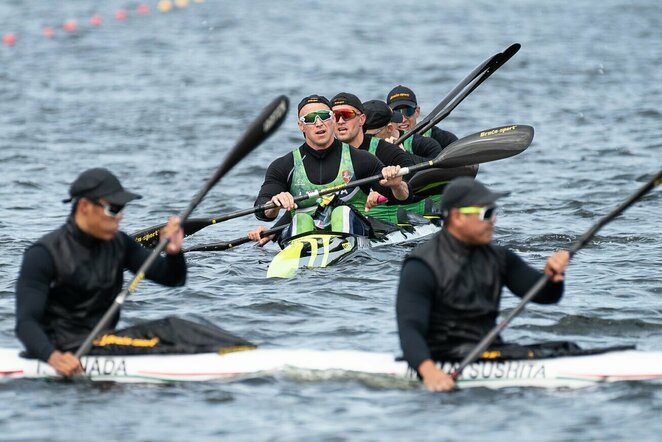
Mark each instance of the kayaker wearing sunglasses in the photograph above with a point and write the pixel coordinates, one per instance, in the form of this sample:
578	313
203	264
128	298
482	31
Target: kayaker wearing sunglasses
351	120
450	287
403	99
70	277
384	122
321	162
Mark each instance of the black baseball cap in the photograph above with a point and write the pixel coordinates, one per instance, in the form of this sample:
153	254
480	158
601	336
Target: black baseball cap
377	114
313	99
347	99
100	183
465	192
401	96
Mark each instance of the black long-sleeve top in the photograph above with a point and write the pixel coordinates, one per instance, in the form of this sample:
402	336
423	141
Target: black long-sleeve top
38	272
417	290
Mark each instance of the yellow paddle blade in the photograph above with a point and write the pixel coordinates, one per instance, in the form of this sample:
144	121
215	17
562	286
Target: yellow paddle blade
286	263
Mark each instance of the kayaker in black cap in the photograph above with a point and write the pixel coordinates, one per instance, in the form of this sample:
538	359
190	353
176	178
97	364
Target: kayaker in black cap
403	99
350	128
71	276
383	122
450	286
321	162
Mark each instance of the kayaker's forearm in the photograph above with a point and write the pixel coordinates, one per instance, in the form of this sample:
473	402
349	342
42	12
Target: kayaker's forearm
401	192
169	270
520	277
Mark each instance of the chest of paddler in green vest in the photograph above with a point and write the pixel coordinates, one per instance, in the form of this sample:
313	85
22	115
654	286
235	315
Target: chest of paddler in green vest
301	184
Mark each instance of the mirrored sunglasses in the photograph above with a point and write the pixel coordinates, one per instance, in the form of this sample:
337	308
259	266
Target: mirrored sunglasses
487	213
346	114
311	117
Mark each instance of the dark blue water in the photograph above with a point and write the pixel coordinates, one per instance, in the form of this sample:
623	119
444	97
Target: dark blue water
161	99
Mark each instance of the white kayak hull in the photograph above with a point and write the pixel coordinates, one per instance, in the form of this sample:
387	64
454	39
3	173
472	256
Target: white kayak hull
561	372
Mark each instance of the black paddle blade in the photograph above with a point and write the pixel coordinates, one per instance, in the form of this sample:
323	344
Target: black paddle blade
264	125
481	73
485	146
491	63
509	52
432	181
258	131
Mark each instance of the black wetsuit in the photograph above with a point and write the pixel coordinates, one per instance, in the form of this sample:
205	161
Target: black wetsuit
321	168
69	279
449	294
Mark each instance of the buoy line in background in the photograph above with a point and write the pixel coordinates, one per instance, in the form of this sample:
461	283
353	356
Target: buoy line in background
71	26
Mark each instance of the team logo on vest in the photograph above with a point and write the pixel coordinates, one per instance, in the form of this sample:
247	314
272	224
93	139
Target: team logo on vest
346	176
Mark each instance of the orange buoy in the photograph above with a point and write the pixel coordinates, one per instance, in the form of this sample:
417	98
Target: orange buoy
142	9
96	20
9	39
70	26
48	32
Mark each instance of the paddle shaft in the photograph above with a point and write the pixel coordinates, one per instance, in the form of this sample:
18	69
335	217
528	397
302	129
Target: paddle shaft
488	145
317	193
481	147
496	63
478	71
119	300
268	121
221	246
533	291
438	177
468	84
